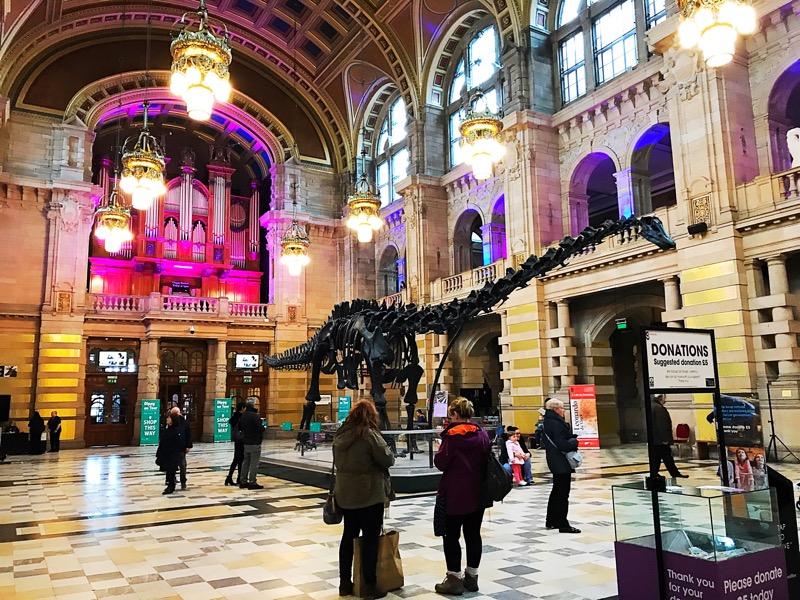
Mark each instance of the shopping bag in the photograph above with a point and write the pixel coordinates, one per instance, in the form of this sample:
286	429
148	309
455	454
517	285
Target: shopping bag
389	568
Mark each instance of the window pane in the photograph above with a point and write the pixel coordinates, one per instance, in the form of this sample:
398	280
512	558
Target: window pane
399	169
455	135
458	83
569	11
573	68
656	11
615	41
398	127
383	139
483	57
491	99
383	182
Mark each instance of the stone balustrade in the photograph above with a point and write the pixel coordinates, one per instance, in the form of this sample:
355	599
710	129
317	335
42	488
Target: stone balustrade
117	303
190	304
789	183
157	304
392	299
249	310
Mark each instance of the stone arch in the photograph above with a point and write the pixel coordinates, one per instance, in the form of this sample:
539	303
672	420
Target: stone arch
494	232
637	307
477	363
649	182
592	195
468	253
370	113
388	279
783	115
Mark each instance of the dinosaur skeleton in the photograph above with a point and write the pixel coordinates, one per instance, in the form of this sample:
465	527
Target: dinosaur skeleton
383	337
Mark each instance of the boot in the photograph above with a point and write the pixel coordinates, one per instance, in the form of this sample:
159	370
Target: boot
345	587
369	592
229	481
451	586
168	490
470	582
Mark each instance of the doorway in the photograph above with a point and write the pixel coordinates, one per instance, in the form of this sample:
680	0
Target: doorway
110	392
183	383
627	373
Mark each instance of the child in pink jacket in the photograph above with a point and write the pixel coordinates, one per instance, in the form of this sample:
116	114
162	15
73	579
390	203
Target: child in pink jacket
516	457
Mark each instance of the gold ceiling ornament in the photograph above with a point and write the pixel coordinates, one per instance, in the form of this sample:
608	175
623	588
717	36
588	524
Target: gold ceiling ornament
713	26
365	210
200	66
294	245
480	138
143	168
113	226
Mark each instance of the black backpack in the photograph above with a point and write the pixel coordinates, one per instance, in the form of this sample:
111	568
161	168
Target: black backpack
497	481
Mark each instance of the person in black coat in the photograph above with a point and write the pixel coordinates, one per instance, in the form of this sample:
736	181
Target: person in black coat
557	438
662	438
54	425
186	432
238	446
170	448
252	434
35	431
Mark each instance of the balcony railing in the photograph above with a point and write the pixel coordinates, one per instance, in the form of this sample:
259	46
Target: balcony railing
114	303
391	299
453	286
249	310
157	304
789	183
190	304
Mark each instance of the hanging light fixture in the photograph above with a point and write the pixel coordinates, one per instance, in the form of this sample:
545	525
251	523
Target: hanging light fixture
143	168
200	62
113	221
713	25
294	245
365	210
480	138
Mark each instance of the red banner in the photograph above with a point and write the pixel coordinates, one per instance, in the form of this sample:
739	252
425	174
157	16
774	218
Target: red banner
583	415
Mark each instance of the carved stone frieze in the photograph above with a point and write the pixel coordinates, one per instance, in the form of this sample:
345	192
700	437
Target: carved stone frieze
682	69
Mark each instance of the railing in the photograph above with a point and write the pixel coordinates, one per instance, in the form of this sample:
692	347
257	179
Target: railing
391	299
118	304
483	274
456	285
451	285
190	304
789	183
249	310
156	304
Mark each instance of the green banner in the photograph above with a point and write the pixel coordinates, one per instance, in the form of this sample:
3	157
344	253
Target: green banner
222	412
316	427
148	434
286	426
344	408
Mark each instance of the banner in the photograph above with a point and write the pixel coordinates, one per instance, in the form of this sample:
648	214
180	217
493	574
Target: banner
784	493
744	442
679	360
583	415
149	429
344	408
440	402
222	412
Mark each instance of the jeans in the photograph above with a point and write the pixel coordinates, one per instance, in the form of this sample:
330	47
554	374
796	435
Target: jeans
471	524
664	452
236	463
558	503
527	472
252	454
368	522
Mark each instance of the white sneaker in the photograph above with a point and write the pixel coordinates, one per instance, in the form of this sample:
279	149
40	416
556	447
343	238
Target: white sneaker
521	483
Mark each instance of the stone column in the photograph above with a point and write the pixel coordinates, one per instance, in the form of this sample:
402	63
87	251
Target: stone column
149	380
494	242
216	384
565	345
633	192
788	368
672	301
578	212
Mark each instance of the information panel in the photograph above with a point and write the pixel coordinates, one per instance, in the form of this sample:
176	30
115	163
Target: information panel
344	408
148	433
583	415
222	413
679	360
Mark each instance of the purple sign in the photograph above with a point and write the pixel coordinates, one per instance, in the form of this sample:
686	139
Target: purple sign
757	576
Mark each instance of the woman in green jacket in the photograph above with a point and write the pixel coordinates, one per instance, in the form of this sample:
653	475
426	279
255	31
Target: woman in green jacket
362	489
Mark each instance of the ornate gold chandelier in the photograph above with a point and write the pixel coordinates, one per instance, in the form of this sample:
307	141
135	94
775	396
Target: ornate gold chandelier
200	62
113	222
713	25
143	168
365	210
294	245
480	138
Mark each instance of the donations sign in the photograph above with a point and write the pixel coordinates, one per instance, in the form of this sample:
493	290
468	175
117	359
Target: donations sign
148	433
222	411
680	360
583	415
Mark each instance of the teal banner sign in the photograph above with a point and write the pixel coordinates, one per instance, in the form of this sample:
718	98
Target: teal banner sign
315	427
286	426
148	434
344	408
222	412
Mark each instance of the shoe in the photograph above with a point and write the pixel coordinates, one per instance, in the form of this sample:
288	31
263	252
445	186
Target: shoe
368	592
168	490
451	586
682	476
244	486
550	526
255	486
470	582
521	483
345	588
183	486
228	481
568	529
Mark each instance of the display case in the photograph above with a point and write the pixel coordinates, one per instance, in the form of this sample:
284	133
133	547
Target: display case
717	543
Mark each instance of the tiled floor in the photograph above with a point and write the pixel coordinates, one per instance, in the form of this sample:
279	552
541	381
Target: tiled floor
93	524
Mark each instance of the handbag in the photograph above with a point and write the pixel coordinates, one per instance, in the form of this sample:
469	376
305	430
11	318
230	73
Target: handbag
497	482
389	566
331	511
574	458
440	516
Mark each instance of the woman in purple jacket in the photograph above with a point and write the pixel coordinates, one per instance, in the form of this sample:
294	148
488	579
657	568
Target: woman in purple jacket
462	459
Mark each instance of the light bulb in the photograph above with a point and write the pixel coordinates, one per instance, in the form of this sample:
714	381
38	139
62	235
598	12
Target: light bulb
746	19
364	233
177	83
199	101
718	44
375	222
193	76
223	91
481	166
689	34
141	198
101	231
113	244
211	80
295	268
127	183
704	18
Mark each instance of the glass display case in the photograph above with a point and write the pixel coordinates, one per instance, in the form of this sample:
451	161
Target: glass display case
709	523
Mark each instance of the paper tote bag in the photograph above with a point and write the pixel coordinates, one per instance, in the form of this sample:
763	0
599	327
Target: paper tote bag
389	568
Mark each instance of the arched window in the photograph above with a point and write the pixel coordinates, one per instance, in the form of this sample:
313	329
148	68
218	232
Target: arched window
610	33
477	69
391	155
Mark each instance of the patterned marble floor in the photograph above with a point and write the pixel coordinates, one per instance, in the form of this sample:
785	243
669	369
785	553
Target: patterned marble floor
93	524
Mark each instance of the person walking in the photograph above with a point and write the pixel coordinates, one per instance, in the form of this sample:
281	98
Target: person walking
461	459
238	446
362	488
252	436
186	434
170	448
54	426
35	431
558	438
662	437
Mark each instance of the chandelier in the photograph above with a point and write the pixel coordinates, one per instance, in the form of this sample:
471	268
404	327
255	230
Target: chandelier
713	25
365	210
294	245
143	168
200	61
480	138
113	222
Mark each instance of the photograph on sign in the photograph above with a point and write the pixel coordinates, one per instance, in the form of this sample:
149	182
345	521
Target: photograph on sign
679	360
247	361
112	358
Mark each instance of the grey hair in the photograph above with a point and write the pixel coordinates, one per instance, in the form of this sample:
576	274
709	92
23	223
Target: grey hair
251	401
553	403
175	410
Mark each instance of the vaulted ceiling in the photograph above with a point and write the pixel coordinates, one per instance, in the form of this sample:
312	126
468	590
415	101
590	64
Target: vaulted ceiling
293	59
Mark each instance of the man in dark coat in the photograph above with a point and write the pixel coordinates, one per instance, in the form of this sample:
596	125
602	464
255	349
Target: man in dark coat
54	425
187	444
557	438
662	437
170	448
253	433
